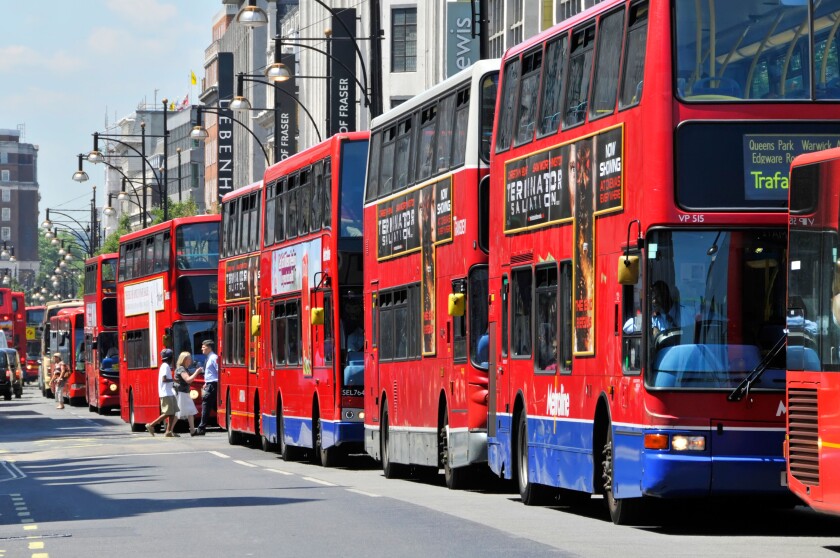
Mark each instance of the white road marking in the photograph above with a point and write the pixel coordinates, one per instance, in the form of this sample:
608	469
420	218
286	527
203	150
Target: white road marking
319	481
245	463
363	493
219	454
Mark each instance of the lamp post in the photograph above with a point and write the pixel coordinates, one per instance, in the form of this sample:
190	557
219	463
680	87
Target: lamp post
241	103
90	246
178	150
96	156
373	97
199	133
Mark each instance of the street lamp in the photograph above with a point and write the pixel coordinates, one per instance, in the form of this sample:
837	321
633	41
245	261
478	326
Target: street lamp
96	156
252	15
4	253
241	103
80	175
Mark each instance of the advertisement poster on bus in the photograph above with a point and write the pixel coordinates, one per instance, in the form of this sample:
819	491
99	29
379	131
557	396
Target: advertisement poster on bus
540	188
767	159
287	266
572	182
419	219
241	278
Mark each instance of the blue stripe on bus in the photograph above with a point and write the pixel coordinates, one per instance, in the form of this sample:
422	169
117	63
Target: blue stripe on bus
298	431
737	461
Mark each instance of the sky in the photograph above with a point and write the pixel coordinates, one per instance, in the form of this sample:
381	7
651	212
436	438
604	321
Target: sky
66	64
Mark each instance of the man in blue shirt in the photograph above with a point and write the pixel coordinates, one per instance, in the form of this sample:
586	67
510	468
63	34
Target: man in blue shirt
211	385
661	307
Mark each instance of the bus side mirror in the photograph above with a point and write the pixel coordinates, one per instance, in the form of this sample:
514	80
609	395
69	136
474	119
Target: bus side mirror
316	316
628	270
457	303
255	325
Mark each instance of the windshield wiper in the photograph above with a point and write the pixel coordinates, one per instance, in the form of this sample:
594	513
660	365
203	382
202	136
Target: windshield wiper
744	387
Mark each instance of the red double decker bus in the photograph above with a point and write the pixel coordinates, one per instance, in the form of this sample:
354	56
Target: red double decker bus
310	348
167	287
34	318
67	331
813	359
426	251
638	242
51	308
239	338
102	372
7	318
19	327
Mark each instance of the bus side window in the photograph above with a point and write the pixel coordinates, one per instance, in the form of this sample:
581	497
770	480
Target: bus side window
632	327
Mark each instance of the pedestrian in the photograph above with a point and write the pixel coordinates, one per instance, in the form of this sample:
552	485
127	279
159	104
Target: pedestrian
60	373
183	379
211	384
166	392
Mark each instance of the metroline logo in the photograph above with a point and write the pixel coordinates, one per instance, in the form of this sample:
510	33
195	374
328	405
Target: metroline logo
558	402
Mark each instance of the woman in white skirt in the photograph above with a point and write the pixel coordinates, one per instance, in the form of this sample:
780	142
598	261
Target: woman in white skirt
183	379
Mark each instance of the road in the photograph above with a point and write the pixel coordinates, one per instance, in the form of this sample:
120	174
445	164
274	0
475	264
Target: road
74	484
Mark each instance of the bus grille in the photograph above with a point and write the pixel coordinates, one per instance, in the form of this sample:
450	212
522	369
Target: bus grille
804	434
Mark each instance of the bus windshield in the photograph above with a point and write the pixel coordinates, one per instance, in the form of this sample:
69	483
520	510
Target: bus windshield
756	50
35	317
188	336
716	306
198	246
353	161
109	276
352	339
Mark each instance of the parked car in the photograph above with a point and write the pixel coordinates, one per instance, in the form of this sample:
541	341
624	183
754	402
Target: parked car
11	374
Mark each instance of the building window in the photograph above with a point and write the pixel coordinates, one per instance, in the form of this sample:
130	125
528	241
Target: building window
496	28
517	24
404	40
5	233
6	193
5	176
6	214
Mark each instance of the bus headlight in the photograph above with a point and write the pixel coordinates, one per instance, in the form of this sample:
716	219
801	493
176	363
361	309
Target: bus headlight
193	394
113	387
688	443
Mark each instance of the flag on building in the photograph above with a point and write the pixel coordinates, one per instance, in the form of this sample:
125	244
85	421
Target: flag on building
185	103
193	79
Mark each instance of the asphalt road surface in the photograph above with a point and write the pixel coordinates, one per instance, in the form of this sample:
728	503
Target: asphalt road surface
74	484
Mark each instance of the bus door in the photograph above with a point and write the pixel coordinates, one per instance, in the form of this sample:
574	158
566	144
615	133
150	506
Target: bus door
372	354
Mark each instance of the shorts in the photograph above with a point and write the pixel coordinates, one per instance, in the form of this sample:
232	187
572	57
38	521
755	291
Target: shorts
168	405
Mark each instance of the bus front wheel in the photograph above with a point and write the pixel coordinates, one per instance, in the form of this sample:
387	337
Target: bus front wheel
531	493
232	435
623	511
132	421
456	477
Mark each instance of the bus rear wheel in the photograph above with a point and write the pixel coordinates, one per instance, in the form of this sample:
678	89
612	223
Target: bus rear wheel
286	451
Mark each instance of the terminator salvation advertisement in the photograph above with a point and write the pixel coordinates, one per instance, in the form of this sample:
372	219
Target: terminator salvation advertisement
572	182
398	219
241	278
418	220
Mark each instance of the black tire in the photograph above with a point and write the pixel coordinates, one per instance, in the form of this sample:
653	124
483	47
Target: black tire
132	422
234	437
286	451
390	469
532	494
325	457
623	511
456	477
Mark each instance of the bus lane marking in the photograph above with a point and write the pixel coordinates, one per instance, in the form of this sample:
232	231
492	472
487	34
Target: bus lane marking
243	463
279	472
219	454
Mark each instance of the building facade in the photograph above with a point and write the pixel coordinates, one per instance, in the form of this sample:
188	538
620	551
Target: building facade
19	206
